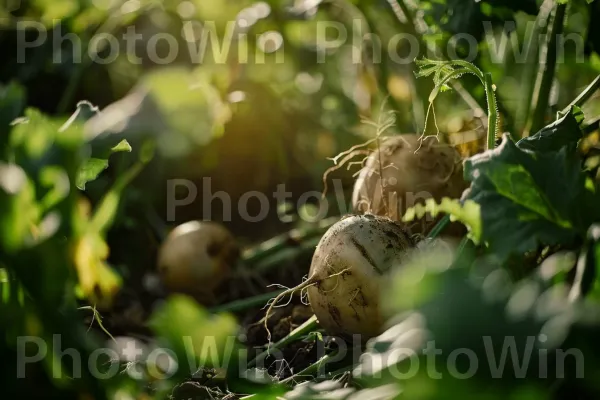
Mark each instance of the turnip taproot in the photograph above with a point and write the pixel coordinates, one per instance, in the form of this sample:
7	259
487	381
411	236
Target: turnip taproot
347	270
365	247
405	171
196	257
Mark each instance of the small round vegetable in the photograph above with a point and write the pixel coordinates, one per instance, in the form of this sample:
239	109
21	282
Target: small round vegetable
406	171
196	257
348	267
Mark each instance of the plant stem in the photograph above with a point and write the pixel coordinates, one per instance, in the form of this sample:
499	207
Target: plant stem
287	255
308	326
583	96
307	372
244	304
274	245
439	227
492	111
418	29
546	72
528	76
486	80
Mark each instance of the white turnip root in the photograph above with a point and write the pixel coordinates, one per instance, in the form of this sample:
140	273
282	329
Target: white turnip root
196	257
347	270
365	247
405	171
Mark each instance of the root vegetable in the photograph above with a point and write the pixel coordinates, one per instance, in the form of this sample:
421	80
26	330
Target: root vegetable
404	172
347	270
196	257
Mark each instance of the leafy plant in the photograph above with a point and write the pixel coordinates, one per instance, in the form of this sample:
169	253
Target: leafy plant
77	220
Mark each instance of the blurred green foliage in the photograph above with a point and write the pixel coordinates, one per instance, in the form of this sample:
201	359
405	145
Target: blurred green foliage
86	148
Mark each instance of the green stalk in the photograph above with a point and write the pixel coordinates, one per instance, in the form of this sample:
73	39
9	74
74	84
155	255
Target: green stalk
490	93
400	5
486	80
287	254
244	304
308	326
528	75
307	372
546	72
439	227
272	246
492	111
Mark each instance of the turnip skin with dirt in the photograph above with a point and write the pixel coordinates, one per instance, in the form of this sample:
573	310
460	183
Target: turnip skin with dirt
405	171
348	267
197	257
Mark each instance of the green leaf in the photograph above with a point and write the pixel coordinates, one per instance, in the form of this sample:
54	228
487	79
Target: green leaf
98	282
122	146
89	171
565	131
93	167
468	213
527	199
527	191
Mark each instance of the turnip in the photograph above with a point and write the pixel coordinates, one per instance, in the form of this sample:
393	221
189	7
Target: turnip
405	171
365	247
197	257
347	270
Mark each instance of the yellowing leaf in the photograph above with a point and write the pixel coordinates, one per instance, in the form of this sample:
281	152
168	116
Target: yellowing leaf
97	281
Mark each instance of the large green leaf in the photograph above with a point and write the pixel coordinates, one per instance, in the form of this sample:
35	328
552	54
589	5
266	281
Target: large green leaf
528	199
527	191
